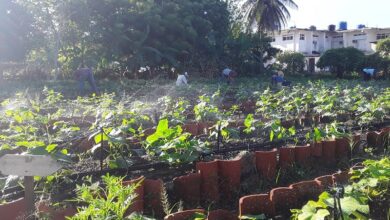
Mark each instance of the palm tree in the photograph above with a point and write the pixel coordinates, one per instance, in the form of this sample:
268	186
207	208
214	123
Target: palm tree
268	15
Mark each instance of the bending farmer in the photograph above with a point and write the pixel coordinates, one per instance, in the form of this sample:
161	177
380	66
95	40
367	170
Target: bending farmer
368	73
182	79
85	74
228	74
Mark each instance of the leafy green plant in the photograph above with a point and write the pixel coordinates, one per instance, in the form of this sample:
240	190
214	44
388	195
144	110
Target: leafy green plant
249	124
172	145
295	61
223	129
110	202
278	131
205	111
373	181
175	110
370	183
316	135
351	208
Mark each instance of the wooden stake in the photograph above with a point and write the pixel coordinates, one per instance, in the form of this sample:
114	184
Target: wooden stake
29	196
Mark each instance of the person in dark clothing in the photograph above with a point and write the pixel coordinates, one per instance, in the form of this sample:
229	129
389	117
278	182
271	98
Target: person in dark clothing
273	79
85	74
278	80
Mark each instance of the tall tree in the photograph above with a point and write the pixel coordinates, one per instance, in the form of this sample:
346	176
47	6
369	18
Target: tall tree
267	15
46	20
138	33
15	31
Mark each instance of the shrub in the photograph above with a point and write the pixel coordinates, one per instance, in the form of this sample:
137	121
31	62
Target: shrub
295	61
383	47
342	60
380	63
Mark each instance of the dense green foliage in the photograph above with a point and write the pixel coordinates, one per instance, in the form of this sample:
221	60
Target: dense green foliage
342	60
378	62
268	14
295	61
51	124
383	47
16	31
110	201
146	33
123	36
173	145
370	183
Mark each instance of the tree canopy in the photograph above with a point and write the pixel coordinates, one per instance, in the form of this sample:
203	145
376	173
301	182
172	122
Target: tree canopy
16	31
64	34
383	47
342	60
295	61
268	15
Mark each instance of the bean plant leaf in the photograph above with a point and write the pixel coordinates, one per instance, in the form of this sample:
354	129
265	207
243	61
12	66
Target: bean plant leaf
321	214
37	151
98	138
199	216
30	144
271	136
311	211
292	130
162	126
51	147
350	206
248	120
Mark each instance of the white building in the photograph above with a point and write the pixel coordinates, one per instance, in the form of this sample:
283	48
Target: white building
312	43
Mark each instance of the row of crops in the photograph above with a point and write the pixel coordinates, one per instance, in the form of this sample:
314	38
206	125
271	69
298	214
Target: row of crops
174	127
54	125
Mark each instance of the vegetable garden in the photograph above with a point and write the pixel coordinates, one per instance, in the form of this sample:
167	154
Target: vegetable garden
208	151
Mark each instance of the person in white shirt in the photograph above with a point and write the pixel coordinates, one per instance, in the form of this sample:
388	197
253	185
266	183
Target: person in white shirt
182	79
369	73
228	75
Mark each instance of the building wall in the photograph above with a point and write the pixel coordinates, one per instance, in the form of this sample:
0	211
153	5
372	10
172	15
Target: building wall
320	41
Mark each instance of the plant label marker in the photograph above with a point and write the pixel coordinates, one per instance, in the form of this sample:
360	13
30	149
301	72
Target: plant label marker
28	166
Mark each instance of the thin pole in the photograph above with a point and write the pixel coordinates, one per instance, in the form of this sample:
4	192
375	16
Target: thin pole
101	148
29	196
219	136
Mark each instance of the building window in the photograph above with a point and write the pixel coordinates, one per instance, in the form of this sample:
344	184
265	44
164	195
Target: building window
315	35
382	36
301	37
287	37
341	42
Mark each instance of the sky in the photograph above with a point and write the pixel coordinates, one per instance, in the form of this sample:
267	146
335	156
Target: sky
321	13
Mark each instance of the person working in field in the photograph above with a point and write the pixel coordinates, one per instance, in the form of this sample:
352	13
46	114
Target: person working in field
368	73
85	74
182	79
273	79
279	79
228	75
